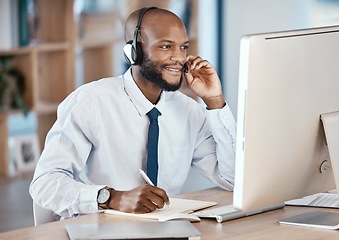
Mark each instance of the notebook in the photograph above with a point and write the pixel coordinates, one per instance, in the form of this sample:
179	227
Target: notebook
177	205
133	230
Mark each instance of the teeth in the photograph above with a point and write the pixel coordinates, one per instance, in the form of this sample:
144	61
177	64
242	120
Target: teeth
173	69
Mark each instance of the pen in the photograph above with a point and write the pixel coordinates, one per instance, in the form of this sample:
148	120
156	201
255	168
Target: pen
145	177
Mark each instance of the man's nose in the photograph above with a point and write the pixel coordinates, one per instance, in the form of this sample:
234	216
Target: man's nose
179	55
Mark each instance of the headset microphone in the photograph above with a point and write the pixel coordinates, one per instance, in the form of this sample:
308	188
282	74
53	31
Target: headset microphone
185	68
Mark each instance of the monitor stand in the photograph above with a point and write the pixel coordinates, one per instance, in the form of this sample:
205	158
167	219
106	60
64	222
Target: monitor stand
331	129
325	220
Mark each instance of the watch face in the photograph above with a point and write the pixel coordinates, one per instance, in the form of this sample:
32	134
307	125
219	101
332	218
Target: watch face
103	196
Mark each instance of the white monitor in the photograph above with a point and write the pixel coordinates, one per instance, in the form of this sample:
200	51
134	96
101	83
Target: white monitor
286	81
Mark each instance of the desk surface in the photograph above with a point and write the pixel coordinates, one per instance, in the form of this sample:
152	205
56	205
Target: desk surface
261	226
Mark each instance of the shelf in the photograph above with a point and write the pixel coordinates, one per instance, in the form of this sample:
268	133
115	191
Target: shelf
71	49
43	47
48	67
16	51
52	47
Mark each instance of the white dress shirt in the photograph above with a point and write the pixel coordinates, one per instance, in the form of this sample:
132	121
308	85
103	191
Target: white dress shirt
100	139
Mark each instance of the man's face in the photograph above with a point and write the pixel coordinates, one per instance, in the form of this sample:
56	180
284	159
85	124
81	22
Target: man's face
165	53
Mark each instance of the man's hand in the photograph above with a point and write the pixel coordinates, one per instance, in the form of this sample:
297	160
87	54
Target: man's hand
203	80
143	199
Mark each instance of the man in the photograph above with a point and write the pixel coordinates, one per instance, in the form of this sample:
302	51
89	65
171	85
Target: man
96	147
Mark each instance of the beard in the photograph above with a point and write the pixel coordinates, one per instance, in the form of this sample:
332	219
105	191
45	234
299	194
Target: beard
149	71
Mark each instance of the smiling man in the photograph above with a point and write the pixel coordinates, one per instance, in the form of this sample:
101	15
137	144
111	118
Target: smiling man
99	142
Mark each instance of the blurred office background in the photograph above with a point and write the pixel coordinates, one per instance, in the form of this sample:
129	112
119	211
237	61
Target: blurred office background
215	26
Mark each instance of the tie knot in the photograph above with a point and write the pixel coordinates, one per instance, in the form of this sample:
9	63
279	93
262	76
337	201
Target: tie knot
153	114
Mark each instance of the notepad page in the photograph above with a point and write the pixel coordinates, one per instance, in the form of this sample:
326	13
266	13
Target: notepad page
177	205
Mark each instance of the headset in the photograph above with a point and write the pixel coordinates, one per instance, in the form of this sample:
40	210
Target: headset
132	50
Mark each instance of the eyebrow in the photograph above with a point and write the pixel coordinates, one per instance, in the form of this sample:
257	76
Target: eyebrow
170	41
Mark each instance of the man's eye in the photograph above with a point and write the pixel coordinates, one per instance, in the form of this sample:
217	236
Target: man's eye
165	46
184	47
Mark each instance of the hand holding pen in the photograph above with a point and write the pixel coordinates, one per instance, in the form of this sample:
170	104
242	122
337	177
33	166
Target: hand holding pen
143	199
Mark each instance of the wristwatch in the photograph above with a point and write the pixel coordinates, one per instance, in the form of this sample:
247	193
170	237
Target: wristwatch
104	196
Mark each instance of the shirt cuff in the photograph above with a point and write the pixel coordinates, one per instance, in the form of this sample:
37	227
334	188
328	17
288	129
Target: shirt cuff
220	118
88	198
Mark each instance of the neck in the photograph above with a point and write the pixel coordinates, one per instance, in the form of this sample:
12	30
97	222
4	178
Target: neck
150	90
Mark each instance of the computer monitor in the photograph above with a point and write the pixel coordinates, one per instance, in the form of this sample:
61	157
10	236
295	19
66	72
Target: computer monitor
286	81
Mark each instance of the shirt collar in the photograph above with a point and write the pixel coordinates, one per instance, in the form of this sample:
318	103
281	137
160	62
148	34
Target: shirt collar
141	103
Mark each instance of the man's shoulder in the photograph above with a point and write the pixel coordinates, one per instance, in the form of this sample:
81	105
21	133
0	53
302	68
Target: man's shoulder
97	89
101	87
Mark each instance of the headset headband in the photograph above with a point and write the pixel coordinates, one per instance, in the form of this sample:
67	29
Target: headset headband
137	27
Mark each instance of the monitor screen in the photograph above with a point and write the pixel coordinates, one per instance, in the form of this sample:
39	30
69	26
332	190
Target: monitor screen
286	81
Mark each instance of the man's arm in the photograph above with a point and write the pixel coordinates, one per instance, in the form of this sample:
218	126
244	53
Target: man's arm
204	81
60	181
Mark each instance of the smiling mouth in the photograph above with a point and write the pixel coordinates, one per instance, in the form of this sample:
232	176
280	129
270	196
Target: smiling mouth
173	69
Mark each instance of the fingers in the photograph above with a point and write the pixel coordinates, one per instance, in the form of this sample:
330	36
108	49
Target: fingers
143	199
199	74
155	198
152	198
159	197
202	78
197	63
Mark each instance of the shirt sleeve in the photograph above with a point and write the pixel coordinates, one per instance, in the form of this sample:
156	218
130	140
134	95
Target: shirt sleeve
215	155
59	183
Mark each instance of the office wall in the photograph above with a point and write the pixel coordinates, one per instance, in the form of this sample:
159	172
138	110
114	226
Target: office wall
248	16
256	16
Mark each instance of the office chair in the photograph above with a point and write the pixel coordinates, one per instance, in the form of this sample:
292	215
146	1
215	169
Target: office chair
42	215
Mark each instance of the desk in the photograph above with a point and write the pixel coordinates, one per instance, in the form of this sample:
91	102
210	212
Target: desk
261	226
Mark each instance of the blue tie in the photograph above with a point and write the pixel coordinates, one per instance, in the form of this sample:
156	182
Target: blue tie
152	146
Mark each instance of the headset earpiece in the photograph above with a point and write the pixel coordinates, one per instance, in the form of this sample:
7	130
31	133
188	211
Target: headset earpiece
128	53
133	55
